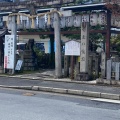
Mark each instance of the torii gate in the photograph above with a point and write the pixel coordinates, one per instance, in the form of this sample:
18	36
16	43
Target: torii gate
32	5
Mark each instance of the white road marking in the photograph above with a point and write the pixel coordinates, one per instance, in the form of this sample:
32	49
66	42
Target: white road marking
106	100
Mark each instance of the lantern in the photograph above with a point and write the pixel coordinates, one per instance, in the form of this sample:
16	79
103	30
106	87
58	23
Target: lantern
102	19
21	18
24	21
93	19
77	20
69	21
20	26
42	23
9	23
117	21
46	18
62	22
52	21
85	18
113	21
36	22
28	23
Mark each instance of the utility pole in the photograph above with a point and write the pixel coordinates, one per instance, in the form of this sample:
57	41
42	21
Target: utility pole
58	63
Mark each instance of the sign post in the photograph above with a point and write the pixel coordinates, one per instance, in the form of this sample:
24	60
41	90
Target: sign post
72	48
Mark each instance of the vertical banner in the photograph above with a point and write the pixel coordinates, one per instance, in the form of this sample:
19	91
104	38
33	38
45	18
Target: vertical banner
84	47
9	52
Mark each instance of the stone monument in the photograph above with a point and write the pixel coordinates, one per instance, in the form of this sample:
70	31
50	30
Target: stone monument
83	75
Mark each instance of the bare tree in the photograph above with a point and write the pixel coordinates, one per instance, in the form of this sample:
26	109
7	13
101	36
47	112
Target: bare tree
113	6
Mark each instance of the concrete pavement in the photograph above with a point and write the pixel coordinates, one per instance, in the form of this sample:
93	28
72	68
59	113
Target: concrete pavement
46	82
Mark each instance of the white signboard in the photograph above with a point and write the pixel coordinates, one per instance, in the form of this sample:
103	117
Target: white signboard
72	48
19	64
9	52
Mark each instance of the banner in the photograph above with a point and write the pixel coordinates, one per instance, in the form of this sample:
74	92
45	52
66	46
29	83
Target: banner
9	52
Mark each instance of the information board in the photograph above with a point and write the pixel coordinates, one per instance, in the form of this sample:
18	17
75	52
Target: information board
72	48
9	52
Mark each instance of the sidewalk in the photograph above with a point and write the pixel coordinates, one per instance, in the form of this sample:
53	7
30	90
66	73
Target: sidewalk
46	82
47	75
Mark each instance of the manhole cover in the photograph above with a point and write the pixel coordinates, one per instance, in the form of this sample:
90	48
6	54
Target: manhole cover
28	94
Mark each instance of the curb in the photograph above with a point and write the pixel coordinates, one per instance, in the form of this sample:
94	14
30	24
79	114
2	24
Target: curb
67	91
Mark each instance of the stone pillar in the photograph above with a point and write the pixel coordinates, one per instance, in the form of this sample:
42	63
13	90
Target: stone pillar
72	67
66	66
109	69
103	64
58	62
90	66
76	71
96	66
117	71
84	51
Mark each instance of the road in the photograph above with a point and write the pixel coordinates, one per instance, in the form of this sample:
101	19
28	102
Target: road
25	82
33	105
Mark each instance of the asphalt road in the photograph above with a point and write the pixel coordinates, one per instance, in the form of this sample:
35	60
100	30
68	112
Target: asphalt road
33	105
